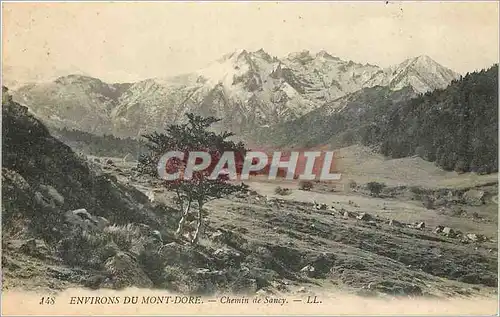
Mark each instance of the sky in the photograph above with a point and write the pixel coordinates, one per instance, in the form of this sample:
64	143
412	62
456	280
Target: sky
123	42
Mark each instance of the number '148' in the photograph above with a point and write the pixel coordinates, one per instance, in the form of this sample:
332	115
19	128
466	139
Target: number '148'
47	300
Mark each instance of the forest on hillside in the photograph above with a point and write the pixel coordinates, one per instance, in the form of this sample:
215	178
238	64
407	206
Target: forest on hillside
99	145
455	127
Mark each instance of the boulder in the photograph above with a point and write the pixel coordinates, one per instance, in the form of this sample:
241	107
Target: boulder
473	237
81	218
309	270
364	216
474	197
53	194
449	232
102	223
183	256
320	206
126	272
206	281
438	229
82	213
227	257
420	225
348	215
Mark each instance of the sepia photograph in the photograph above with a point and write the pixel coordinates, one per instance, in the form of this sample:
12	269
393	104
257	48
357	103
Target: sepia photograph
250	158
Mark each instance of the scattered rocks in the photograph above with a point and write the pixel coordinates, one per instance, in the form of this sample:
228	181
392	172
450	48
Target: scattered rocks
228	257
438	229
35	247
205	280
395	223
320	206
182	256
474	197
83	219
420	225
229	238
309	270
82	213
473	237
51	192
364	216
282	191
449	232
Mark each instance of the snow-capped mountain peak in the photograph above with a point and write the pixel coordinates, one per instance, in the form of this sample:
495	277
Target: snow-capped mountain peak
325	55
244	88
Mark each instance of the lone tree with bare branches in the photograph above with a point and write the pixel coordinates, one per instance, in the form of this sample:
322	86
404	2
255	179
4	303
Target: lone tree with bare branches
193	192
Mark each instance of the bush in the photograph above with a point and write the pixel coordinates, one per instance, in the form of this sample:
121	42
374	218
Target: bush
305	185
282	191
428	202
85	249
130	238
123	236
375	188
153	265
352	184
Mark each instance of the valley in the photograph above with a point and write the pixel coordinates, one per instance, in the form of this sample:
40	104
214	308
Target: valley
292	247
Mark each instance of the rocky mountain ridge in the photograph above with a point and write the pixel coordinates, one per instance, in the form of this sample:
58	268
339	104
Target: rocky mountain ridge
246	89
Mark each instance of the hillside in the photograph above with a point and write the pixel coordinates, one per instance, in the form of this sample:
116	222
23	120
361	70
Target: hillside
42	178
246	89
99	145
345	121
73	102
456	127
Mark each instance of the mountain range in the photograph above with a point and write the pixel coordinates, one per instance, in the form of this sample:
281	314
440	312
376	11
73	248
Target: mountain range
455	127
248	90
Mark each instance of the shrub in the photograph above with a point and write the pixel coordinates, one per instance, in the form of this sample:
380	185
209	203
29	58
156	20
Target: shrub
153	265
305	185
282	191
428	202
352	184
123	236
85	249
375	188
132	238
